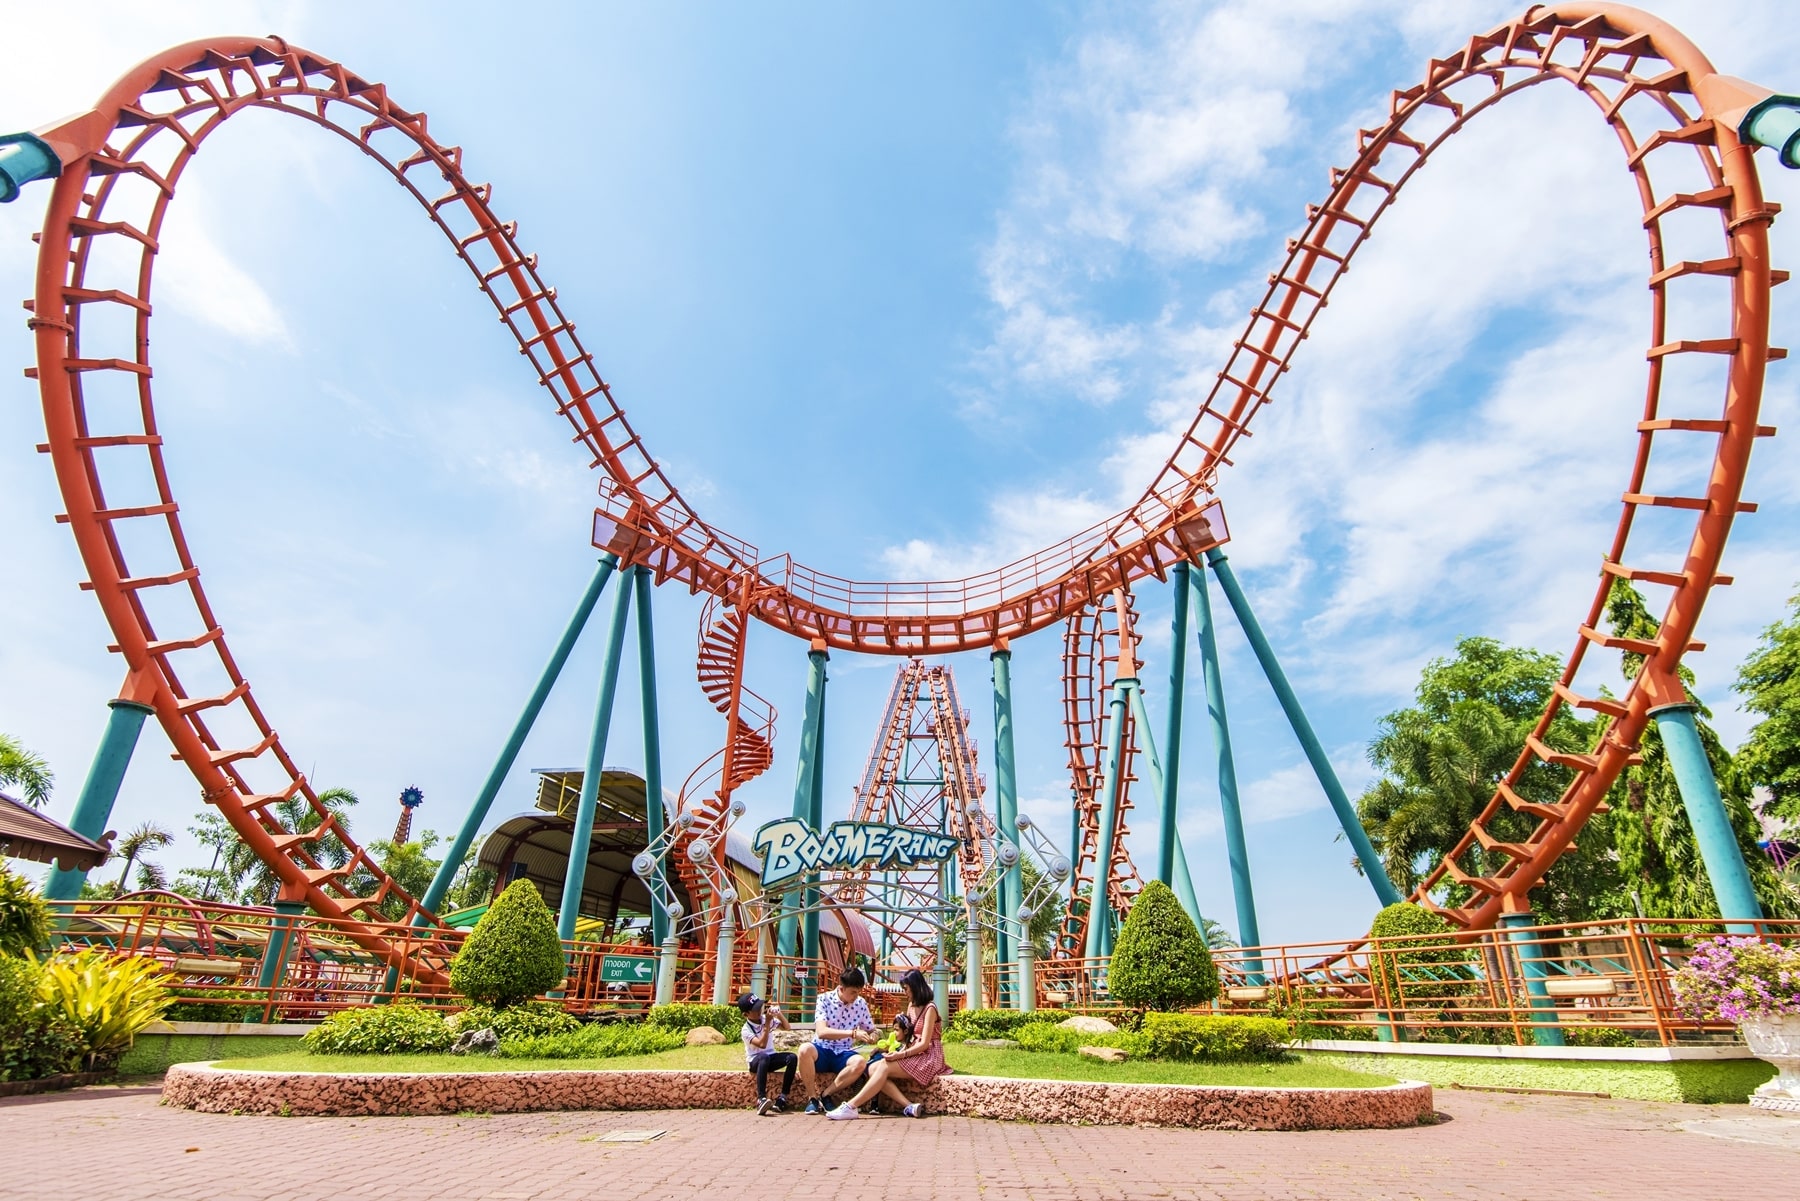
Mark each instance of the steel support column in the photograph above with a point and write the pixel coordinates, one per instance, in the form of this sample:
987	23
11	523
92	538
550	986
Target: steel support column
275	953
93	808
534	704
788	931
653	791
1006	812
582	837
1309	741
1171	781
1718	843
1237	847
1535	968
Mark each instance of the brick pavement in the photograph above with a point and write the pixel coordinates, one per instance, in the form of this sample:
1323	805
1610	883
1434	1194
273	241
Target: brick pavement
107	1144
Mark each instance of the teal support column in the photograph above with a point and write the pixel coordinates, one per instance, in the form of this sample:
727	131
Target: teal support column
787	934
1309	741
582	837
1718	842
274	960
1155	777
534	704
1099	907
1531	960
653	790
1006	807
1171	781
809	924
1237	847
93	808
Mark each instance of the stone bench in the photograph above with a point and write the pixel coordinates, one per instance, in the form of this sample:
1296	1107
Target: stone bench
209	1089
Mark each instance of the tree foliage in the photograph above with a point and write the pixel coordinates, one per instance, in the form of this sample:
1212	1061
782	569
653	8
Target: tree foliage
513	953
1442	759
24	918
29	773
1658	857
1769	682
1160	961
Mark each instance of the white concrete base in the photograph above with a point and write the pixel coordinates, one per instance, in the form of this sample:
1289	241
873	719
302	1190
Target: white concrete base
1592	1054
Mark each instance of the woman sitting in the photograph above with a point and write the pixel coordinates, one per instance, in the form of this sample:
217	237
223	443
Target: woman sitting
919	1062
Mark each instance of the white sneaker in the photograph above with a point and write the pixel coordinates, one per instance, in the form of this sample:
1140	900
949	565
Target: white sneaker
844	1113
914	1111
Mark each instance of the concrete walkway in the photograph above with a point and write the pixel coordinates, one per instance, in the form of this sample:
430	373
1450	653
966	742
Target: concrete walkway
119	1144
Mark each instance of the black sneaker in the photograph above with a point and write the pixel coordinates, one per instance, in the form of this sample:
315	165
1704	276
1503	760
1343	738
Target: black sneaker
763	1105
781	1104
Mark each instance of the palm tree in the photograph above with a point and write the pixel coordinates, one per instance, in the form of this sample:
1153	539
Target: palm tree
21	769
145	838
296	815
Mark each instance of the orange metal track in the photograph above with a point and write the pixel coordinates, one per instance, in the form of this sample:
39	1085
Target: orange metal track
123	160
1089	668
924	735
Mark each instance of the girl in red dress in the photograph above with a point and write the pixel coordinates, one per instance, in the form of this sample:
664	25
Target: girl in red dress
919	1062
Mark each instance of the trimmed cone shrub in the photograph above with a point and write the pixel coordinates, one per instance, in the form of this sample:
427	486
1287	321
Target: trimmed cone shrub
513	953
1161	961
1432	972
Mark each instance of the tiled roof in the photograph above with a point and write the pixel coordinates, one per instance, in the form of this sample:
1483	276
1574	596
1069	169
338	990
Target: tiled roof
27	834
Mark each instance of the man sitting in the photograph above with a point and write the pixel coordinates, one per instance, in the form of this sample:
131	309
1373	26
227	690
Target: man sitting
840	1021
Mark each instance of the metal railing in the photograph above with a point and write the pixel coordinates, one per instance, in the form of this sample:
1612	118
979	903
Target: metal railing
1578	984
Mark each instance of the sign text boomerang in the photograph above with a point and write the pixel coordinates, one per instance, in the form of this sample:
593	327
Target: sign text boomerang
791	848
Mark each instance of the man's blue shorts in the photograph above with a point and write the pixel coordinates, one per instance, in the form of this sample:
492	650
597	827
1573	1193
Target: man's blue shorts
832	1060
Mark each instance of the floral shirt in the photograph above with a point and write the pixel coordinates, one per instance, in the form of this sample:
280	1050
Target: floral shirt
831	1011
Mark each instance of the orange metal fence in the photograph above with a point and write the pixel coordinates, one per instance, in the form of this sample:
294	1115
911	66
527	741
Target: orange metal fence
1583	983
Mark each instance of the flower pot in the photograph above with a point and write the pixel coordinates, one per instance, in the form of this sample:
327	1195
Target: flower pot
1776	1040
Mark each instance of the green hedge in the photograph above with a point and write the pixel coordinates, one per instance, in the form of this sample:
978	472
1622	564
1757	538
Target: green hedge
380	1030
1195	1037
1057	1040
597	1042
994	1023
726	1019
532	1019
34	1041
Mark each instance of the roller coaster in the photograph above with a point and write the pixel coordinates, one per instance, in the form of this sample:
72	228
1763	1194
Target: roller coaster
1686	135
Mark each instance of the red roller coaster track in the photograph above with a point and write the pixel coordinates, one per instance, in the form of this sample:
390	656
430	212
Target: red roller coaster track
122	162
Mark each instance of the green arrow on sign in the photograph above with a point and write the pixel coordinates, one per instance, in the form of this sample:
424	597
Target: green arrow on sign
627	969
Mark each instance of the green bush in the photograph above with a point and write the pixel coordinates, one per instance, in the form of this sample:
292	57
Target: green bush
1198	1037
24	918
380	1030
1161	961
1404	925
513	953
596	1042
532	1019
726	1019
993	1023
107	997
34	1042
1578	1035
1048	1037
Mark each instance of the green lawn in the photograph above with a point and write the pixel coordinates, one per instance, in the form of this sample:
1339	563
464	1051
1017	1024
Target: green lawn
1301	1072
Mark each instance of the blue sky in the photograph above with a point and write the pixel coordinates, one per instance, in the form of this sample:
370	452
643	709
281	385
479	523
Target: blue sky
903	292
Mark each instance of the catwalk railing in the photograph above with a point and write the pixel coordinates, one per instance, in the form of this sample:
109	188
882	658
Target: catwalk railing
1576	983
